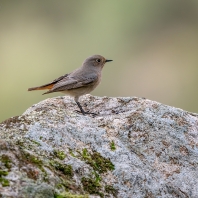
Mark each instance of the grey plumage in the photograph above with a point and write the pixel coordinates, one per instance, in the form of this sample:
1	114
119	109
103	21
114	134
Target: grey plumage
79	82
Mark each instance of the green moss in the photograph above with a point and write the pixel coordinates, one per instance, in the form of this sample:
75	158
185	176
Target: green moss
29	158
102	164
65	169
91	186
99	165
112	146
35	142
60	154
6	161
35	160
26	157
3	173
20	143
69	195
68	184
111	190
71	153
59	186
97	177
97	162
85	154
4	182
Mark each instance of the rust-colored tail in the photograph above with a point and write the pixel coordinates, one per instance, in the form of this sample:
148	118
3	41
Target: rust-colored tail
43	87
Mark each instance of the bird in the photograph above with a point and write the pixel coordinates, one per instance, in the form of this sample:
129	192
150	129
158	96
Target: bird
79	82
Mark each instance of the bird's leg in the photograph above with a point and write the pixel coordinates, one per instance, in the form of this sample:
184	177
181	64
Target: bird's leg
82	111
80	107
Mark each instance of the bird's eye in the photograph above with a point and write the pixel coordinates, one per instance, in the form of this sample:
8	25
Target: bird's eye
98	60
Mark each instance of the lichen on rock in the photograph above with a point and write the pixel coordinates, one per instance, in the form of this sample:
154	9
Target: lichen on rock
134	147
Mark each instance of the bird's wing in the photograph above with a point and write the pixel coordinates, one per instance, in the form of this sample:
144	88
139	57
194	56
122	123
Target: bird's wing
68	83
48	85
60	78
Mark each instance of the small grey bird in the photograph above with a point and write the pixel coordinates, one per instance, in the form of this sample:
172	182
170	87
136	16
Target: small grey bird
79	82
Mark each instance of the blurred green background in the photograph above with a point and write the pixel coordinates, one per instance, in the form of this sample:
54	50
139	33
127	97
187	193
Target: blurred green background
154	45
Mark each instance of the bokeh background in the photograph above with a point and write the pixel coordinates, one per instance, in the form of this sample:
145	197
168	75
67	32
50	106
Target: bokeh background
154	45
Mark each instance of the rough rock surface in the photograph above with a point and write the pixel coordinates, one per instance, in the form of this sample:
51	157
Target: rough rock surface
134	148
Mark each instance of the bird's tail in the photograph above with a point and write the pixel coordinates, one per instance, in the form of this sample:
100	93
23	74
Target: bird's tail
43	87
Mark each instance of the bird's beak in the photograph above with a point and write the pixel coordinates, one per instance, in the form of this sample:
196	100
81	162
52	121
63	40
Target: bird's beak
108	61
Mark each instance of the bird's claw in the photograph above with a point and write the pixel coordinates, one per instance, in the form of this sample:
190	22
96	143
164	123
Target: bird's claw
86	113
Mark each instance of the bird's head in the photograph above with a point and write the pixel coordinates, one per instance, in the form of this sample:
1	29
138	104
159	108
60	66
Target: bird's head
97	61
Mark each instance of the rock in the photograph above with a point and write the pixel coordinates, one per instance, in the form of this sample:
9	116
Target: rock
134	148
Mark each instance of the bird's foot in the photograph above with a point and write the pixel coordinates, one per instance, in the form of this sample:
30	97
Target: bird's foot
86	113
